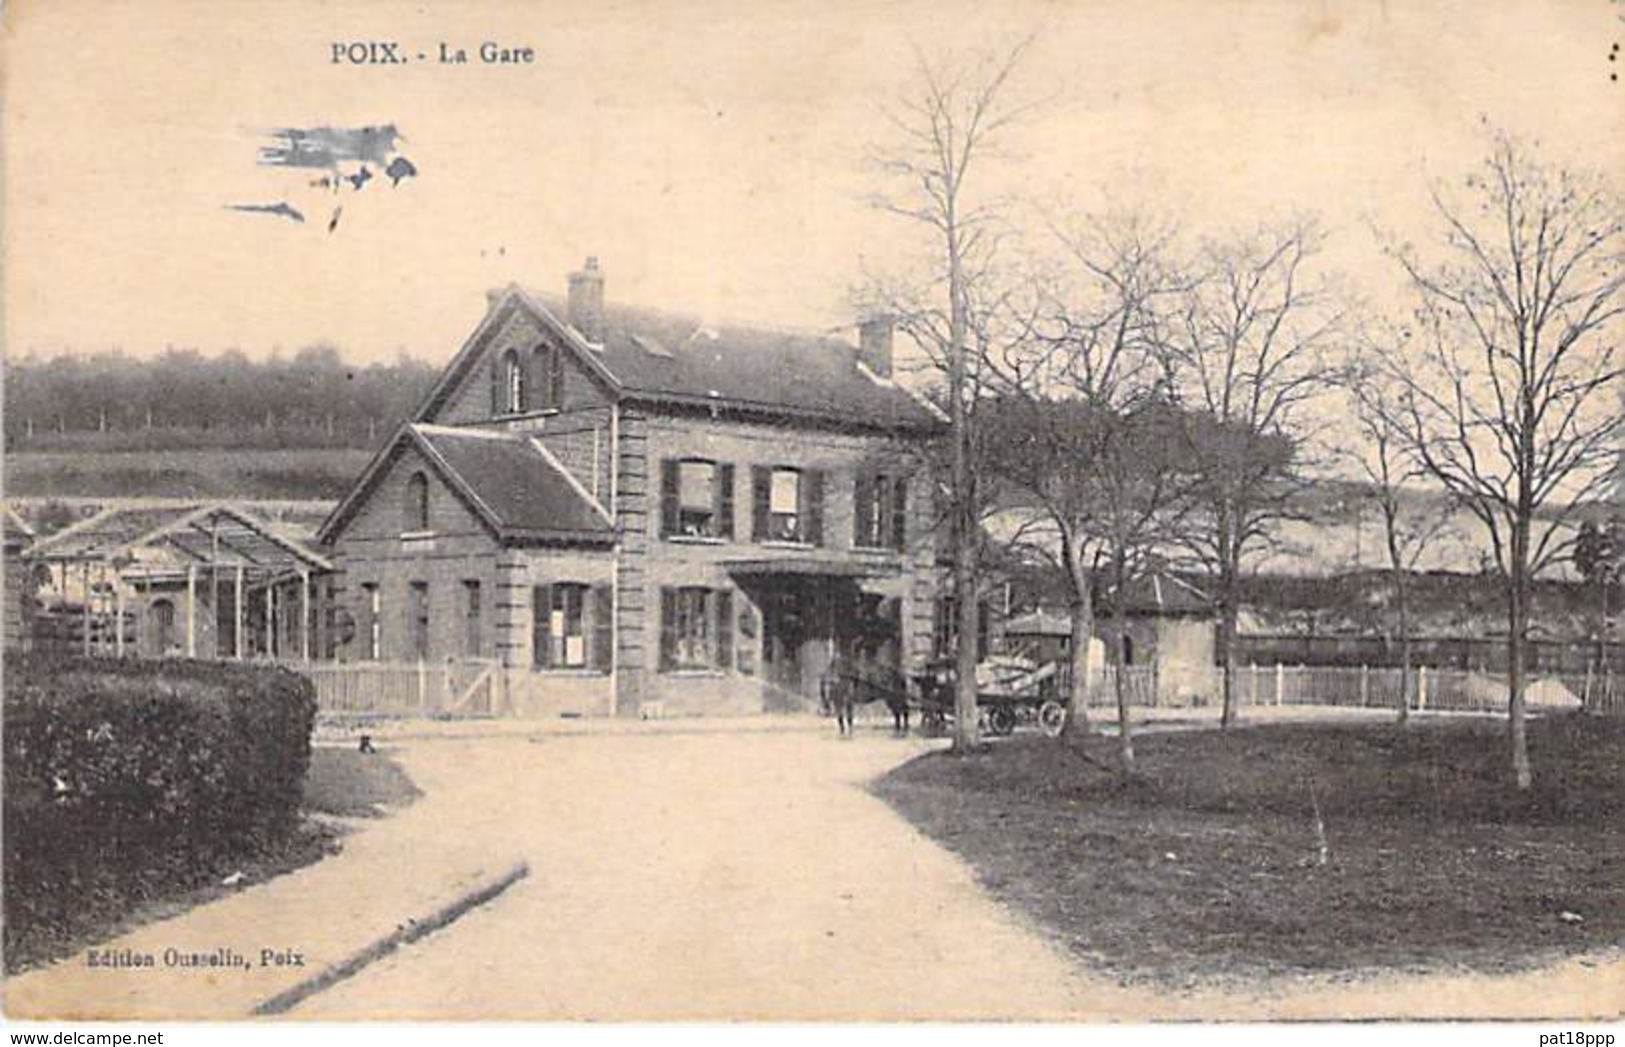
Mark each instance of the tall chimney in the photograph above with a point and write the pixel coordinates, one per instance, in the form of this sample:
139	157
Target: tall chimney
586	306
874	344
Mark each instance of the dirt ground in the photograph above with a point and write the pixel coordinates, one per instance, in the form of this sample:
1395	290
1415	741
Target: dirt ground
717	874
754	876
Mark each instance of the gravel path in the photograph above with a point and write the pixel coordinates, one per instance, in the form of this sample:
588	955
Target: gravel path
707	876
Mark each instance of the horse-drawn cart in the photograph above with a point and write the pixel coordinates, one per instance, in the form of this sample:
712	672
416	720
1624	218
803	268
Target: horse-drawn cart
1009	692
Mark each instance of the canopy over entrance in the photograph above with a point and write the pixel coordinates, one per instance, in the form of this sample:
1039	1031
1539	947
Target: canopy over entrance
808	567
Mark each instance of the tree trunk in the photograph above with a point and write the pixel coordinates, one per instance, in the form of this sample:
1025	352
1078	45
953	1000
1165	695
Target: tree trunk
966	735
1125	734
1227	652
1402	601
964	512
1076	728
1517	647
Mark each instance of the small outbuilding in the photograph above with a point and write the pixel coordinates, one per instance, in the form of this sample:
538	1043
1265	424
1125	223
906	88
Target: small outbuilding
1169	629
200	581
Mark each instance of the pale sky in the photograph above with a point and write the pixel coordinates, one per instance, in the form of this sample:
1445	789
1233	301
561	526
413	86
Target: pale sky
711	154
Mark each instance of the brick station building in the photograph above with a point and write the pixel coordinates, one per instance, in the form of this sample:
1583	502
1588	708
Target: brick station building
631	512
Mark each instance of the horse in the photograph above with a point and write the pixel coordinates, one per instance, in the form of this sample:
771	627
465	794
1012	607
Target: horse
849	689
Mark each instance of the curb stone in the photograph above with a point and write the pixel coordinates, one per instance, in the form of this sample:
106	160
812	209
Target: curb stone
404	934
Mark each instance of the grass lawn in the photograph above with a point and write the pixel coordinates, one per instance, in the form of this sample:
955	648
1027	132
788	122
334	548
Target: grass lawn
340	783
1207	867
351	784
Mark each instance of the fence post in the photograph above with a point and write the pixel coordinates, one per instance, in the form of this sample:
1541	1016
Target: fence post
1421	688
423	687
1365	686
1280	681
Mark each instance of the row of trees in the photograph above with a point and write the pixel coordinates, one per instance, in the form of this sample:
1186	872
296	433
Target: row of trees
1151	396
182	397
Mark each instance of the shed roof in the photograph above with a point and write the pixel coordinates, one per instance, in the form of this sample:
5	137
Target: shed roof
216	534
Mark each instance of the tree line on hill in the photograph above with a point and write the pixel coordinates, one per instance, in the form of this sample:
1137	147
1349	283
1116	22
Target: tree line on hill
185	399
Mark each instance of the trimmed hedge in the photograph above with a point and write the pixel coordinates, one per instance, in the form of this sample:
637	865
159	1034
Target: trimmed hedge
122	776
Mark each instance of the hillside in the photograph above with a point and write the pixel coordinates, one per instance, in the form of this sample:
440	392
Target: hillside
253	474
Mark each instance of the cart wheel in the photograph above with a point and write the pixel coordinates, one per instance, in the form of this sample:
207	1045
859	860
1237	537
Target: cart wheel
1001	719
1051	719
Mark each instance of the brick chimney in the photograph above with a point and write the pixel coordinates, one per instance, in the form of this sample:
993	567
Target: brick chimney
586	306
874	344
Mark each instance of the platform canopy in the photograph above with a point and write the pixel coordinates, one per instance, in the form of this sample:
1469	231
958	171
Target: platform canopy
159	540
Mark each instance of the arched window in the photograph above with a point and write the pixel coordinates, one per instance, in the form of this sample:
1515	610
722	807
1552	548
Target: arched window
513	383
417	502
547	384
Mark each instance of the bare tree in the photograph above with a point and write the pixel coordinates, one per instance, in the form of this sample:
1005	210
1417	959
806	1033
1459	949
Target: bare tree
1412	519
1247	356
944	129
1084	429
1510	380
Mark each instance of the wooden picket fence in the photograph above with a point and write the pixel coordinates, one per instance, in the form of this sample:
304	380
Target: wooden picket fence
1439	690
404	689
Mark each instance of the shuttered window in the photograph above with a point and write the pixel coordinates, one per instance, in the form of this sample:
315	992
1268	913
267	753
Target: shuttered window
572	626
696	628
880	511
696	498
787	505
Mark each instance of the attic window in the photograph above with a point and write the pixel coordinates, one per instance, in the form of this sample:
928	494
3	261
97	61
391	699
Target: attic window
417	503
513	384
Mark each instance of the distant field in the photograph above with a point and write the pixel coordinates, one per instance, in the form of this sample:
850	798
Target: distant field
251	474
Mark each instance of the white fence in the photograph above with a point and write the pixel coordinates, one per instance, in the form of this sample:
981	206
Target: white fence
1444	690
459	688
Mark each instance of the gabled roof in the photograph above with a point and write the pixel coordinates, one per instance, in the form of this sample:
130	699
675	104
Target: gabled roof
1161	593
512	482
1039	623
672	359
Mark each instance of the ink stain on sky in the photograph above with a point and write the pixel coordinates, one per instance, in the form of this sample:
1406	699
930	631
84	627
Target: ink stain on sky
348	155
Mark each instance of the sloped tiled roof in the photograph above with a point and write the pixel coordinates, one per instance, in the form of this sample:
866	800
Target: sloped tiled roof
670	358
523	487
511	482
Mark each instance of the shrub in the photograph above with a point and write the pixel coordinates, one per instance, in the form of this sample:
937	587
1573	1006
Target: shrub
121	774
